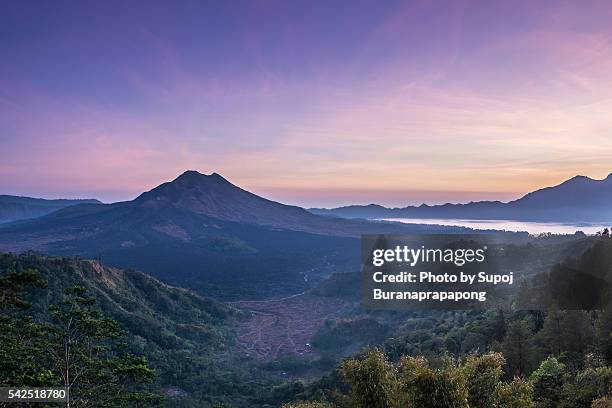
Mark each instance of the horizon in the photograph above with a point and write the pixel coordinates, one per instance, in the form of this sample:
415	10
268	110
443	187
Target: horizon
271	197
313	104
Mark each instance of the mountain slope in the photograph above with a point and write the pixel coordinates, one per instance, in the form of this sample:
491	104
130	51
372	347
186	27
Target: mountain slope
215	197
580	199
187	338
202	232
14	208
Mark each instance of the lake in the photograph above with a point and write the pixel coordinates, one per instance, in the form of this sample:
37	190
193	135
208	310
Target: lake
507	225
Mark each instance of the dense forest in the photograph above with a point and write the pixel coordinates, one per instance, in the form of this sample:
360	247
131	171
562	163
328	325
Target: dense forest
523	359
77	349
151	344
499	358
157	341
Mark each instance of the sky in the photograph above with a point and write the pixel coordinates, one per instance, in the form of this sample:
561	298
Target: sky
315	103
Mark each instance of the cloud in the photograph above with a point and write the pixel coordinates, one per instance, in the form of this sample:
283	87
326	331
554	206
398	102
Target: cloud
425	99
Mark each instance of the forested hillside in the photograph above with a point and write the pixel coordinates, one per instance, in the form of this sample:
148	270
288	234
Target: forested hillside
182	348
553	359
185	338
528	358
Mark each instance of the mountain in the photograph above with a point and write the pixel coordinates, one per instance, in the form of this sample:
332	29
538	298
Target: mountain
215	197
579	199
14	208
203	232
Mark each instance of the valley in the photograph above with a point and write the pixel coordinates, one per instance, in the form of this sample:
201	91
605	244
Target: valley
285	326
232	297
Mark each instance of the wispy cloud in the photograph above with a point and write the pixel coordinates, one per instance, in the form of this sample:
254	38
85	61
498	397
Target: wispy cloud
414	101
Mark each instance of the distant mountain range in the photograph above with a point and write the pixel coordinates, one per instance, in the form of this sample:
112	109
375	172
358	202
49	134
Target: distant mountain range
203	232
579	199
14	208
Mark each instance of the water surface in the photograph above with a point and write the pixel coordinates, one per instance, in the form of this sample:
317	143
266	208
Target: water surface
508	225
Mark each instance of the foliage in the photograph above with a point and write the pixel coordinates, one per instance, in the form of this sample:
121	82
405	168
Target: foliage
461	358
14	283
373	381
548	381
474	382
306	404
75	347
604	402
522	341
589	385
518	393
21	339
423	386
518	347
483	374
84	351
184	337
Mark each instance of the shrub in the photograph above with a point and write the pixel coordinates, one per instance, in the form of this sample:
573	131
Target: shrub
516	394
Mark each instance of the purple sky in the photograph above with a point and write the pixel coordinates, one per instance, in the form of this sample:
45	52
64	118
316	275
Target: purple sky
316	103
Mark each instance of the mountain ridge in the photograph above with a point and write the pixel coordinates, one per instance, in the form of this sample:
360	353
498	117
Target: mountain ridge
15	208
578	199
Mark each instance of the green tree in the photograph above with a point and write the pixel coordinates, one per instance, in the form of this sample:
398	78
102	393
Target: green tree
550	337
548	381
13	285
483	374
604	333
517	347
567	335
589	385
22	345
372	380
86	355
425	387
516	394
